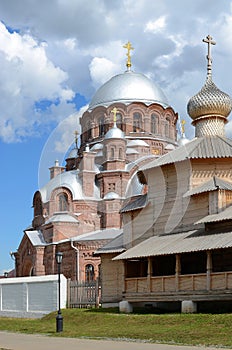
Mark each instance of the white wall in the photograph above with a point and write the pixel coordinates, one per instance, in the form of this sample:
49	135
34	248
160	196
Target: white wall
31	296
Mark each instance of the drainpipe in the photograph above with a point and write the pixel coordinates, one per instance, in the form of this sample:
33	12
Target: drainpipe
77	260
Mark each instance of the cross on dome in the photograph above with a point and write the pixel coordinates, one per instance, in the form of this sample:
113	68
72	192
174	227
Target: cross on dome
114	111
129	47
209	41
183	122
76	133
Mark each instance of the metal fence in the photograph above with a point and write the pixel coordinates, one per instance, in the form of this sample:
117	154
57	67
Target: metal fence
83	294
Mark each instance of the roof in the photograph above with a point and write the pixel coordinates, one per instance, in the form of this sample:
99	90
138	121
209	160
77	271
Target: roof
212	185
106	234
191	241
36	237
61	217
199	148
134	203
223	215
114	246
96	147
126	88
131	151
138	142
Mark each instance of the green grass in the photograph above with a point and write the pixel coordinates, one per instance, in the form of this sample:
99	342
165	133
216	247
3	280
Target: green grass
191	329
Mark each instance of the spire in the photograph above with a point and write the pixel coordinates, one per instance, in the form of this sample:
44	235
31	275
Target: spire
209	41
129	47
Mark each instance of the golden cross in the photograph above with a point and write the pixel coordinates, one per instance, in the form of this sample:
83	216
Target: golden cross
129	47
114	111
209	41
183	122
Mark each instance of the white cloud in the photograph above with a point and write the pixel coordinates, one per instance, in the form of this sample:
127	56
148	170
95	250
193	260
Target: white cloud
156	26
29	77
101	69
58	143
66	47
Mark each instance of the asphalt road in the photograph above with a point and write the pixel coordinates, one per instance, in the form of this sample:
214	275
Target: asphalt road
17	341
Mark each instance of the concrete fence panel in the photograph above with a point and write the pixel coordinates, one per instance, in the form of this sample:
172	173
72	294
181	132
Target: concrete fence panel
31	297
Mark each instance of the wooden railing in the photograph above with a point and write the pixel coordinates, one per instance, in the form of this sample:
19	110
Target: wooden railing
179	283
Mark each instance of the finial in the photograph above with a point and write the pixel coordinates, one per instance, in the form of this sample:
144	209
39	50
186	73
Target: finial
114	111
129	47
76	133
209	41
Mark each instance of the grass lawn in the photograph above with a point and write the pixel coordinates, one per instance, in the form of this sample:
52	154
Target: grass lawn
191	329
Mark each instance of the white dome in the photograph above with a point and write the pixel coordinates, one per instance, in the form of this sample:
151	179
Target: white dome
115	133
73	153
127	88
183	141
70	180
96	147
111	195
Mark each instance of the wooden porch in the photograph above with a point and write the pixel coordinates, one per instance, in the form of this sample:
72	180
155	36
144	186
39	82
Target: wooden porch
204	286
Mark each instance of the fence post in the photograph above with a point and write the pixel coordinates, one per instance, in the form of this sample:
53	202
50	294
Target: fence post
68	292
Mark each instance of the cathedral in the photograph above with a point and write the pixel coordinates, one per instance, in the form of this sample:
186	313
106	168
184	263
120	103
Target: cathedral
128	125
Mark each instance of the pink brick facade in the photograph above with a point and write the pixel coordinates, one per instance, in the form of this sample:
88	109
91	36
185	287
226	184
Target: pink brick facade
86	195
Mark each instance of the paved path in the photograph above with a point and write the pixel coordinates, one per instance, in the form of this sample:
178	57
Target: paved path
17	341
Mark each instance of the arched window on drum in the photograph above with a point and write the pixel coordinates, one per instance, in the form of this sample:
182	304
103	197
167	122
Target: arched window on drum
167	127
101	126
137	122
119	122
89	131
154	123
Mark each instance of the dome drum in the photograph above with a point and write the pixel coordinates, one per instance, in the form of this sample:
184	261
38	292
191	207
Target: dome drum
210	126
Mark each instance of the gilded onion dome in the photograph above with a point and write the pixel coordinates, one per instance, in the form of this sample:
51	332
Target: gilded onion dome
210	107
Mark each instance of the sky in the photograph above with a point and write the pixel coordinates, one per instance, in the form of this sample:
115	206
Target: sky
55	54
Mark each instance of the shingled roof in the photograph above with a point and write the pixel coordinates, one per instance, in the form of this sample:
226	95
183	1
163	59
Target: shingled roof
199	148
212	185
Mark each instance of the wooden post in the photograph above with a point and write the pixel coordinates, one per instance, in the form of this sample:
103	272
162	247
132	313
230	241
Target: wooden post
178	271
149	273
124	276
208	270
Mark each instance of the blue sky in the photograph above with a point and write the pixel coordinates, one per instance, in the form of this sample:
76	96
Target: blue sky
55	54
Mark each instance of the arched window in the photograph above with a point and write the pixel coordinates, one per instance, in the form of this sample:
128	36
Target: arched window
120	153
154	123
112	153
63	202
38	208
137	122
89	131
101	126
89	273
119	121
167	128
